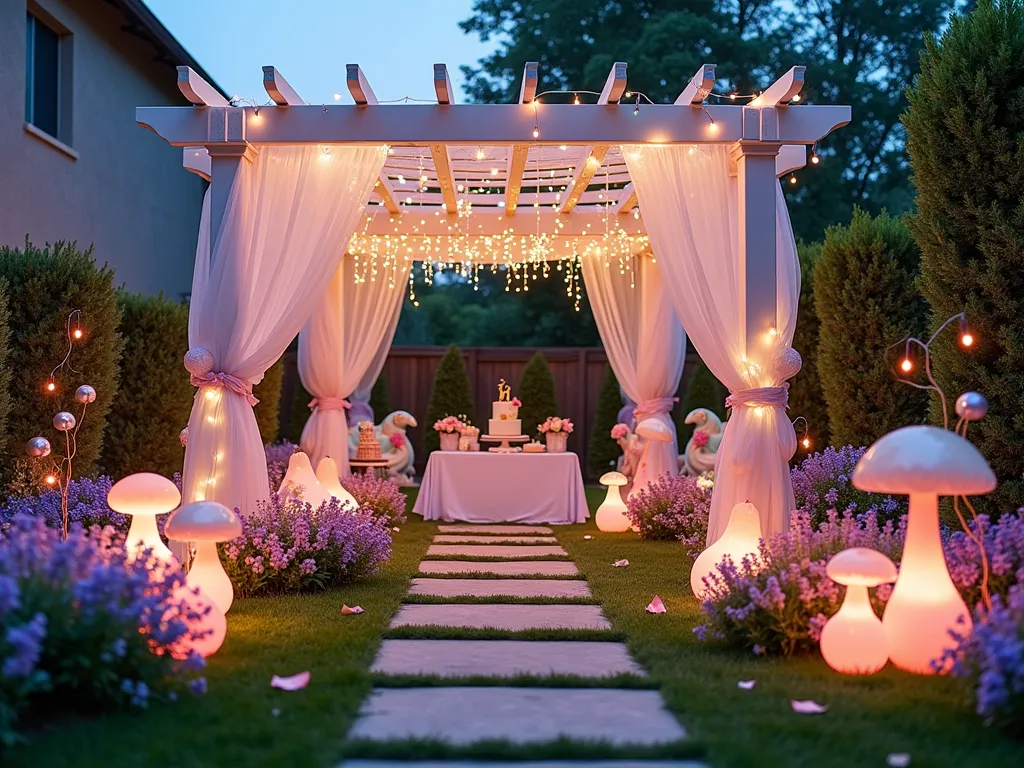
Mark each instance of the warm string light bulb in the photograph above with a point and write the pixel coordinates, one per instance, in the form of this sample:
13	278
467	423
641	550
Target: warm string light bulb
906	366
575	98
806	442
50	479
967	339
51	386
536	132
792	179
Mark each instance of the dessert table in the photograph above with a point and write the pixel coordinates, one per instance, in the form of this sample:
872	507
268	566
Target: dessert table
480	487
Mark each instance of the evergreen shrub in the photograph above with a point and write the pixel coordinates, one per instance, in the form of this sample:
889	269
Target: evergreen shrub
536	390
451	395
603	451
805	396
268	409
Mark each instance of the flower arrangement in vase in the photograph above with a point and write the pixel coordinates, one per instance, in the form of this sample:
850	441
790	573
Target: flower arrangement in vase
469	438
449	429
556	432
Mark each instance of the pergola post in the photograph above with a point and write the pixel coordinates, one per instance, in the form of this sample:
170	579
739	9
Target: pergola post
225	161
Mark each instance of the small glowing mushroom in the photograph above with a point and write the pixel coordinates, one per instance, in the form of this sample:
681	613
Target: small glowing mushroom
300	482
742	537
611	515
327	474
206	523
142	497
924	462
853	641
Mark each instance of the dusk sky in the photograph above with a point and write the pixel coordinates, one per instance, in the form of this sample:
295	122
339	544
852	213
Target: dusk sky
396	42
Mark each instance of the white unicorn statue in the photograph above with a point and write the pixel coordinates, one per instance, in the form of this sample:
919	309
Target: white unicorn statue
699	455
394	445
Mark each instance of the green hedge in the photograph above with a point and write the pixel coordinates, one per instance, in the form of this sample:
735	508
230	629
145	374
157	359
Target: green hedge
5	369
268	410
603	451
379	400
536	390
450	396
44	286
155	397
805	396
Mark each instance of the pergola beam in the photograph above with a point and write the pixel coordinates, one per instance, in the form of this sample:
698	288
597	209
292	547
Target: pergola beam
782	92
282	94
386	190
514	178
439	153
528	89
199	92
791	157
627	199
443	85
494	223
361	91
197	160
700	85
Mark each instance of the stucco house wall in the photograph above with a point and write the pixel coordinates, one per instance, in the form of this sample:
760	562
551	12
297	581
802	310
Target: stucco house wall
126	193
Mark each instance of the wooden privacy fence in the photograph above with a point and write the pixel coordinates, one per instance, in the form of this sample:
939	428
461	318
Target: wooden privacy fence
578	373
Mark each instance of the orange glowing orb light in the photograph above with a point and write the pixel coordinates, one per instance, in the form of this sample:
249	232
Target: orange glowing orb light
906	366
741	538
50	387
924	462
853	641
78	333
967	339
206	523
806	442
50	479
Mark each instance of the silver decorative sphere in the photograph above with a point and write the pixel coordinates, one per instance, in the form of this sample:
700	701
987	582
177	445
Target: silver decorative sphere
786	362
183	436
199	361
64	421
85	394
971	406
38	447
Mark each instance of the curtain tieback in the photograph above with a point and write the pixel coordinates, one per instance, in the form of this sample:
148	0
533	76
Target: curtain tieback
329	404
654	406
766	397
239	386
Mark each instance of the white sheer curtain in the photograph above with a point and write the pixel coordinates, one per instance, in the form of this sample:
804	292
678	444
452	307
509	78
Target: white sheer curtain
348	335
646	347
289	217
690	207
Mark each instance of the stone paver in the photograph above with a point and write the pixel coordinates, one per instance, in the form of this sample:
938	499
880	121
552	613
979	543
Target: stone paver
529	764
508	552
508	568
495	529
502	616
495	587
464	715
504	658
444	538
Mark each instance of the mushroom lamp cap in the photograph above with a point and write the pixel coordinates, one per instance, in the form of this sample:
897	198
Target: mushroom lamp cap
923	459
203	521
861	566
613	478
652	429
144	493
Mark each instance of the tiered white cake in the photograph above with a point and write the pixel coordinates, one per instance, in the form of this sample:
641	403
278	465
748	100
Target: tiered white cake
504	421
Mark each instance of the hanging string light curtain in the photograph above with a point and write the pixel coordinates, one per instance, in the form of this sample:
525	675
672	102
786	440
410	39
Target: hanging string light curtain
288	217
646	347
690	205
341	342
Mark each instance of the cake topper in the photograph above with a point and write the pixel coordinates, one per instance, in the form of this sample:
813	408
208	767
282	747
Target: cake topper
504	392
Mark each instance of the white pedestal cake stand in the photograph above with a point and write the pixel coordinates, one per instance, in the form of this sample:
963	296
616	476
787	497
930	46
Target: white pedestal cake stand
505	440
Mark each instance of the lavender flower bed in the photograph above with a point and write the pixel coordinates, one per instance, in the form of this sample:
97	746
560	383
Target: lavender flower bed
673	507
277	461
381	498
80	627
1004	545
289	546
87	505
822	483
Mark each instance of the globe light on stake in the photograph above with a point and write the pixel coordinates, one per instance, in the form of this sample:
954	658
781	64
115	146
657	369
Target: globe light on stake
38	448
85	394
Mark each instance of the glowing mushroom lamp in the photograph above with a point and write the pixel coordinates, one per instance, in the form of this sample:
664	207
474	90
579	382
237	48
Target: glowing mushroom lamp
741	538
611	515
207	626
300	482
327	474
142	497
206	523
853	641
924	462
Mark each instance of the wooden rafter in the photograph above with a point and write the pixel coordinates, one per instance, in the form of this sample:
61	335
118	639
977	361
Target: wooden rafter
516	165
361	91
443	85
280	92
439	153
199	92
614	84
783	91
700	85
627	199
529	87
386	190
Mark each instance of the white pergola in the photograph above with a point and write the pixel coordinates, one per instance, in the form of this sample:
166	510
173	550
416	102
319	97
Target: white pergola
532	181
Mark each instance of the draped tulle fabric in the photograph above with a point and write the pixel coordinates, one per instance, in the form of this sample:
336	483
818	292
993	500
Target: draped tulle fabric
646	347
346	338
289	216
690	206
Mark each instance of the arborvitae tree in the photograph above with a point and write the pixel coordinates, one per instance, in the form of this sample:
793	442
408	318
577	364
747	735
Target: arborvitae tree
379	401
268	410
5	369
451	395
703	390
805	396
537	392
866	296
45	285
603	451
154	398
965	129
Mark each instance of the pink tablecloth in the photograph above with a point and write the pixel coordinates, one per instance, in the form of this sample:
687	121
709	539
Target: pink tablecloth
502	488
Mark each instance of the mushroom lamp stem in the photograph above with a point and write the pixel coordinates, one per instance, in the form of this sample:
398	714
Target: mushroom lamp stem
143	534
611	515
207	573
853	640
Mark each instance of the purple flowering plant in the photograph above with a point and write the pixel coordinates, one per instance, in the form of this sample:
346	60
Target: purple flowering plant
672	507
822	483
380	497
278	455
288	546
1004	545
87	505
778	601
79	624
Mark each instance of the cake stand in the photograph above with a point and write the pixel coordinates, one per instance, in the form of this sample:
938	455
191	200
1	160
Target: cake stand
368	465
505	440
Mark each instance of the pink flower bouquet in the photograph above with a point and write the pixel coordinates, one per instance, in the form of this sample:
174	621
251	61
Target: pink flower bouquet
449	424
556	424
397	440
700	438
619	431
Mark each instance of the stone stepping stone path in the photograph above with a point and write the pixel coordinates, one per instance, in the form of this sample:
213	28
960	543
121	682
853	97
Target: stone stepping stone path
525	714
453	539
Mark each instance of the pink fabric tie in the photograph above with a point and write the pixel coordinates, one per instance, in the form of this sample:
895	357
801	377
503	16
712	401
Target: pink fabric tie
227	381
653	406
768	397
329	404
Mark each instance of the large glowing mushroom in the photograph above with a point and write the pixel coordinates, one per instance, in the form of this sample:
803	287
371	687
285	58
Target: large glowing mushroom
742	537
924	462
853	641
327	474
142	497
300	482
611	515
206	523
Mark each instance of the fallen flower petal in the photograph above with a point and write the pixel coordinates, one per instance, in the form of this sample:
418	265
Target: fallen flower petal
346	611
396	529
620	563
746	685
898	759
656	606
588	537
293	683
808	707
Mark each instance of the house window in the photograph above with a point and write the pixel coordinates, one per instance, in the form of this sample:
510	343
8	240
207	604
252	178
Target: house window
47	80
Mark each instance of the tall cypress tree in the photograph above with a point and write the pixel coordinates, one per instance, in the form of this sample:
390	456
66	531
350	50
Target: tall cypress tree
805	396
965	129
537	392
603	451
379	400
451	395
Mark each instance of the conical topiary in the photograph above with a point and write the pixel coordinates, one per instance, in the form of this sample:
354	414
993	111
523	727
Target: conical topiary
603	450
537	392
379	401
451	395
702	391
